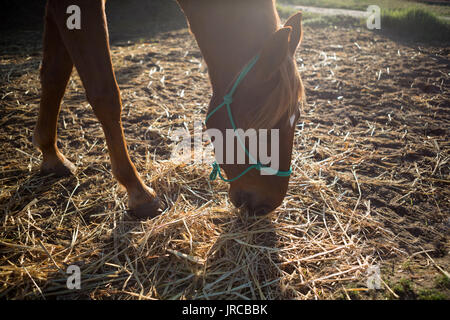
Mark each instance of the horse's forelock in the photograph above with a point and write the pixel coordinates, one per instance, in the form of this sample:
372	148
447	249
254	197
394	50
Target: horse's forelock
283	100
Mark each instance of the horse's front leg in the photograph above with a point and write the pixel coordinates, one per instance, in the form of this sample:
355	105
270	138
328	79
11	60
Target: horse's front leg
55	73
89	50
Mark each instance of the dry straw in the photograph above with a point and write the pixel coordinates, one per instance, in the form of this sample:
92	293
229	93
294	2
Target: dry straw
322	239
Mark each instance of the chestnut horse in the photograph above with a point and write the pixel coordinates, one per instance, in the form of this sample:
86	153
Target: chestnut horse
229	33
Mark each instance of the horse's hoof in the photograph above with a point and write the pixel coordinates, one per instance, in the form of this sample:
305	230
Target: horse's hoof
146	210
59	167
144	204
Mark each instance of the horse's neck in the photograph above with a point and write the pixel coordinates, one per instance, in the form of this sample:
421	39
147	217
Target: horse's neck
229	33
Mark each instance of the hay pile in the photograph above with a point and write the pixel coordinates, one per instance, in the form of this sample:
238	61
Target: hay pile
349	189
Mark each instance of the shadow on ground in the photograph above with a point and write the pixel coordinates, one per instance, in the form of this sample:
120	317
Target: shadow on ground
135	20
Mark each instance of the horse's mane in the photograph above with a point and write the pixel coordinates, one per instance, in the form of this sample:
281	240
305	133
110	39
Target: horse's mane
285	99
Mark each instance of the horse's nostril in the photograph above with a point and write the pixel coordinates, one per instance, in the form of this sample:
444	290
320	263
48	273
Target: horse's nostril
241	199
238	199
262	210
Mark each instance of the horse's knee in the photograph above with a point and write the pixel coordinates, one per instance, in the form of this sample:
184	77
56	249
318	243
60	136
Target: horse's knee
106	104
49	77
55	71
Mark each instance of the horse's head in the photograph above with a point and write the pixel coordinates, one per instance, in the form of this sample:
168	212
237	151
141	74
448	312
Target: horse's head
266	98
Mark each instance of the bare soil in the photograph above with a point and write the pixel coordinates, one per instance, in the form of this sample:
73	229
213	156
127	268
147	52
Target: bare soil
370	184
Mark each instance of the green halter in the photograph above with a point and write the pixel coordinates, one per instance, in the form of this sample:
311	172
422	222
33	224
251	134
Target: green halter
227	101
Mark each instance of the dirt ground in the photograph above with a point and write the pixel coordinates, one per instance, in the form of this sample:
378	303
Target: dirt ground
370	184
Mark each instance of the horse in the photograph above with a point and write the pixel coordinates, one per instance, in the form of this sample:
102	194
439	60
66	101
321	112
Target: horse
229	34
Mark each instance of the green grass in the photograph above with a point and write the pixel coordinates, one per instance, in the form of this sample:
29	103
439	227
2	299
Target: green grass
318	20
443	282
440	10
415	24
286	11
431	294
404	289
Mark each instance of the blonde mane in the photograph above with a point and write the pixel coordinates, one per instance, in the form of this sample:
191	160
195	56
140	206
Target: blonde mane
285	99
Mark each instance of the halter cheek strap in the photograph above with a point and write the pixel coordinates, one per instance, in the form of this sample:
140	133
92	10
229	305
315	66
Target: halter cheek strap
227	101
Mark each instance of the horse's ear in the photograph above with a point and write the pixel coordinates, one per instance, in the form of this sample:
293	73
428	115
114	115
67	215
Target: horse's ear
295	22
273	54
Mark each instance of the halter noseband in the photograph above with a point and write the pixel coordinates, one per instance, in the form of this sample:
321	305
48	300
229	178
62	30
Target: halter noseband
227	101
